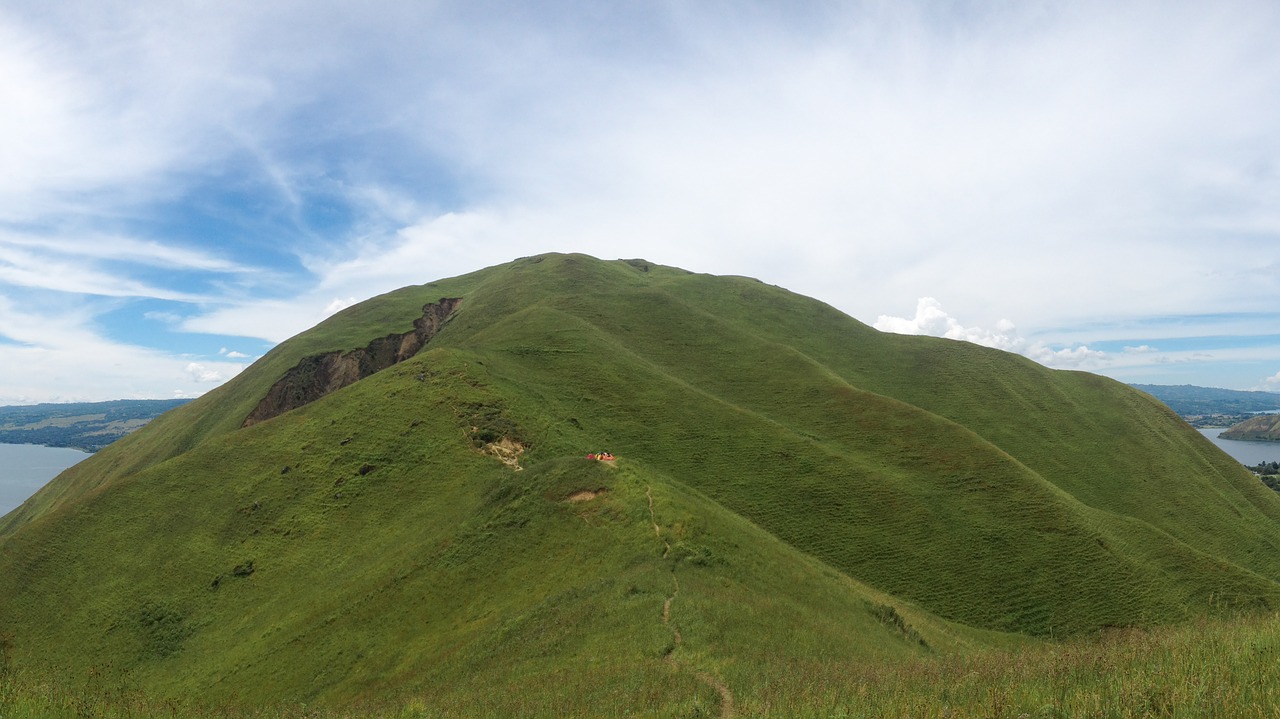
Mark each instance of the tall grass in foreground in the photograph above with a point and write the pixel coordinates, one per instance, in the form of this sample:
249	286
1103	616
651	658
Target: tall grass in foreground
1206	669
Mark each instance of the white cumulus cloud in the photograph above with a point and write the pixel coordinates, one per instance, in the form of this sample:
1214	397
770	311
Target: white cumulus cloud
201	373
338	305
932	320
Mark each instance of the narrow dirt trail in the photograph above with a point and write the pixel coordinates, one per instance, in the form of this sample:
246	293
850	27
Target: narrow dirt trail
726	696
653	518
657	531
666	606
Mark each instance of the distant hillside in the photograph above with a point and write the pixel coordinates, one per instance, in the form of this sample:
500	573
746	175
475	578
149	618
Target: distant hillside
396	504
1190	401
81	425
1262	428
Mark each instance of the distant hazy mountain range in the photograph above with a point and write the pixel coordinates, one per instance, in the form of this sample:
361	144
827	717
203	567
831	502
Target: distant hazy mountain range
83	425
1190	401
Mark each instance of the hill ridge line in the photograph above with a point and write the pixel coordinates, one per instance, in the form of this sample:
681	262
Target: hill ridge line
823	368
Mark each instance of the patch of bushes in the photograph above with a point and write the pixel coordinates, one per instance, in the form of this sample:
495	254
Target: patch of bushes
487	422
888	616
161	629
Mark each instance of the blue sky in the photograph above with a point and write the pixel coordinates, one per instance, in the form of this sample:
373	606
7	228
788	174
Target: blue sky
1095	185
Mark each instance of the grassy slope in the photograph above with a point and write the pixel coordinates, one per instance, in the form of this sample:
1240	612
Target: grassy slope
224	409
1201	669
362	584
1107	445
973	483
857	479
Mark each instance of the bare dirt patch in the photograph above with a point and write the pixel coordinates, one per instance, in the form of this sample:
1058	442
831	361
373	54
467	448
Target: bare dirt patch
318	375
507	450
585	495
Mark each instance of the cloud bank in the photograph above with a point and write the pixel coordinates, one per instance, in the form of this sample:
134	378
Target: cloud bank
1104	172
931	320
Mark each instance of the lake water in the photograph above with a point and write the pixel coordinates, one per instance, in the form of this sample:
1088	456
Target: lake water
24	468
1246	453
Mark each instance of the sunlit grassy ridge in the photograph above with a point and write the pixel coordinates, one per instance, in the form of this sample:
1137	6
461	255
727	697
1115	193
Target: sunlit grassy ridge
360	583
822	495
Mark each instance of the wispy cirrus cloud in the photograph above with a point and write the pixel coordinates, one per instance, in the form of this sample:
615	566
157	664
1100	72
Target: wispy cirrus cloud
97	247
32	270
58	356
110	266
1079	168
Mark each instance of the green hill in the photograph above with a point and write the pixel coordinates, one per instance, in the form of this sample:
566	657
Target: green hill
396	504
1262	428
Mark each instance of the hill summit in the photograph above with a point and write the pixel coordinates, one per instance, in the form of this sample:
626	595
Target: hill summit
398	502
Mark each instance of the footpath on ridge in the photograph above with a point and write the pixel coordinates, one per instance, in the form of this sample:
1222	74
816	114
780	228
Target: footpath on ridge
726	696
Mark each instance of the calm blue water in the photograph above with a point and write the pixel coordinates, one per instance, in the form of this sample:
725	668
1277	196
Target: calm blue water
1246	453
24	468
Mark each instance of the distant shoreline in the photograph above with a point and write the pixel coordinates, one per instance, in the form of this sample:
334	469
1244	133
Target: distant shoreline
1248	454
86	426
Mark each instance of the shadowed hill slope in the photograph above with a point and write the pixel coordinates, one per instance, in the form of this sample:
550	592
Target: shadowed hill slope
789	478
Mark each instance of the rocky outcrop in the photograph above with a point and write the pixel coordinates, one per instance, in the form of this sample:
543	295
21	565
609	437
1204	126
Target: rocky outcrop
318	375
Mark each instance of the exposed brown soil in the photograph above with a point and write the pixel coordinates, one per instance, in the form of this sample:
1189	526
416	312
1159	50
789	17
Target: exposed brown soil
653	519
666	606
726	696
507	450
318	375
585	495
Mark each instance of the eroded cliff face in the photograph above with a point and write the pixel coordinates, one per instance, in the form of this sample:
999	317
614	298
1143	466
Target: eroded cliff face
318	375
